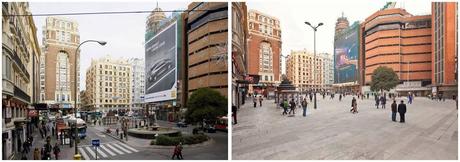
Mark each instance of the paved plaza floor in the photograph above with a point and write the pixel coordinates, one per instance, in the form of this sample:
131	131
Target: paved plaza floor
332	132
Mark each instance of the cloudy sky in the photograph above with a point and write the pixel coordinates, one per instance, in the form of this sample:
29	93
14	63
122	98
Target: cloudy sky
124	33
296	35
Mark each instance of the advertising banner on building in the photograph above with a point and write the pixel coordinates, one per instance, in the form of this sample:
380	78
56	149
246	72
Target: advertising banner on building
346	50
161	65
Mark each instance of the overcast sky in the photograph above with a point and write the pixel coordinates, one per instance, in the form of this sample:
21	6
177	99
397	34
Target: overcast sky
296	35
124	33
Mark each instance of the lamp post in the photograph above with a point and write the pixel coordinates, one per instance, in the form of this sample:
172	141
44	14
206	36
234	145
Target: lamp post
314	52
102	43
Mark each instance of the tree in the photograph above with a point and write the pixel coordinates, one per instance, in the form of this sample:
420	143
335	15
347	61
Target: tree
384	78
205	103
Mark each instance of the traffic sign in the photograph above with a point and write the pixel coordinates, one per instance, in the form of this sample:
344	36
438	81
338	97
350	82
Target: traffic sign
95	142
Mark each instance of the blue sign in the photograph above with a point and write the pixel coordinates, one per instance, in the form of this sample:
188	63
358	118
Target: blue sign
95	142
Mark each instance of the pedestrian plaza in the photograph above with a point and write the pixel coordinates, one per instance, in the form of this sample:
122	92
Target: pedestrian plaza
332	132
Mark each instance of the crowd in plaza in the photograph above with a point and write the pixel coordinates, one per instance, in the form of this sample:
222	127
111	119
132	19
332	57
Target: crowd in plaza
290	102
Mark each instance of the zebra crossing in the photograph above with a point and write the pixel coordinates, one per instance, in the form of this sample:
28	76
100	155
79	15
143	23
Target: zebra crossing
105	150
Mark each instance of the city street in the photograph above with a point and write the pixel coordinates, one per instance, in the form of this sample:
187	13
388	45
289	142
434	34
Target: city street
332	132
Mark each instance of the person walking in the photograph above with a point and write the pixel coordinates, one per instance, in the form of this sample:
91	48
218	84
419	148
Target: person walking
354	106
402	111
340	97
311	97
234	110
377	101
179	155
47	149
292	104
56	151
285	106
254	100
394	110
260	100
304	107
177	151
383	101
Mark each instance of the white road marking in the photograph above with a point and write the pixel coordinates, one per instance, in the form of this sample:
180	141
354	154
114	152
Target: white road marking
114	149
116	144
126	146
91	151
99	151
107	150
83	153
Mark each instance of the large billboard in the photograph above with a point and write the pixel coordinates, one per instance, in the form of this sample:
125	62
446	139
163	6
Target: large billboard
161	65
346	50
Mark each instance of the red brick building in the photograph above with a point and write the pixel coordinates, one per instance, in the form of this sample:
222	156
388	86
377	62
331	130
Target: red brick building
264	56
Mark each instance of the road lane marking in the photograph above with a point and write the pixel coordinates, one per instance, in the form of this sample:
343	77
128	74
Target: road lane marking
114	149
99	151
116	144
126	146
107	150
90	151
83	153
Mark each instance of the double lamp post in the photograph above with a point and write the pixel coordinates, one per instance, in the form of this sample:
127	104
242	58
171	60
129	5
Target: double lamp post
314	56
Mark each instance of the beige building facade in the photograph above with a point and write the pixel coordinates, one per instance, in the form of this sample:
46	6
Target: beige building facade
108	84
305	71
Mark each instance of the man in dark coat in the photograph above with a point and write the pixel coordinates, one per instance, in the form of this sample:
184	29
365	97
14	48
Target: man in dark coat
377	101
292	104
402	111
383	101
394	110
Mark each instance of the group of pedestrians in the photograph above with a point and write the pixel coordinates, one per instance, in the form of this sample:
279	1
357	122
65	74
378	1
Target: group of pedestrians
401	109
177	152
45	152
256	99
382	100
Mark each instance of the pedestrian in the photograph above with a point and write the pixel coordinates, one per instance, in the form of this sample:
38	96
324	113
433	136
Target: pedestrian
353	106
383	101
304	106
117	130
56	151
25	147
180	151
47	149
285	106
340	97
260	100
402	111
176	152
52	129
292	104
37	154
394	110
41	132
377	101
254	100
234	110
311	97
44	130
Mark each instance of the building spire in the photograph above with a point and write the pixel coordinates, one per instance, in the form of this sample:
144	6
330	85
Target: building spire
157	4
342	14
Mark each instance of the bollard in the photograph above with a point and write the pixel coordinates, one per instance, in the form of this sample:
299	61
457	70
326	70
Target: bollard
78	157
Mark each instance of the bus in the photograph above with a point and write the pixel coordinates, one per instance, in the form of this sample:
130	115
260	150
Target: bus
222	123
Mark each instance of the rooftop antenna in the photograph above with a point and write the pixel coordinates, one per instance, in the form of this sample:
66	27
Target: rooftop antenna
342	14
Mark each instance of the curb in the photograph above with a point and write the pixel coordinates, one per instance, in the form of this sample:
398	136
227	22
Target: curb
114	137
208	142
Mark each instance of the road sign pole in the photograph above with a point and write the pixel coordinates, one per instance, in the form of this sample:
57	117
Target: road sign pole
96	152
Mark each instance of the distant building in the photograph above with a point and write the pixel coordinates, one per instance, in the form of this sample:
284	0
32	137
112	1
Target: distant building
328	70
137	82
60	40
108	84
399	40
305	73
264	51
444	48
153	22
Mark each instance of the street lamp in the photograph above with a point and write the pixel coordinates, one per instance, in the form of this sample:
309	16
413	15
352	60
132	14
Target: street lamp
314	51
102	43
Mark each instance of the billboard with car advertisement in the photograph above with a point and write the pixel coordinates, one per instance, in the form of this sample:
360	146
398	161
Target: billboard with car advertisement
161	65
346	50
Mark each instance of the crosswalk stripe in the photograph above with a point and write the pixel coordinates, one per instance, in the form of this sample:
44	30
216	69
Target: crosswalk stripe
107	150
99	151
126	146
116	144
83	153
114	149
90	151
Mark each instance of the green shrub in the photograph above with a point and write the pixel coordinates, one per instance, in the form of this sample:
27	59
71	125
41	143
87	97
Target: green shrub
167	141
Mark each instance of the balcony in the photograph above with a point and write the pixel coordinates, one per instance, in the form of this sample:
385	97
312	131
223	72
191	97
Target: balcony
7	87
18	93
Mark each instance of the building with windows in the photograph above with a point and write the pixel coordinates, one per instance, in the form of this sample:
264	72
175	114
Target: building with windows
444	32
264	51
239	52
305	71
328	70
206	40
20	53
108	84
60	41
137	82
394	38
